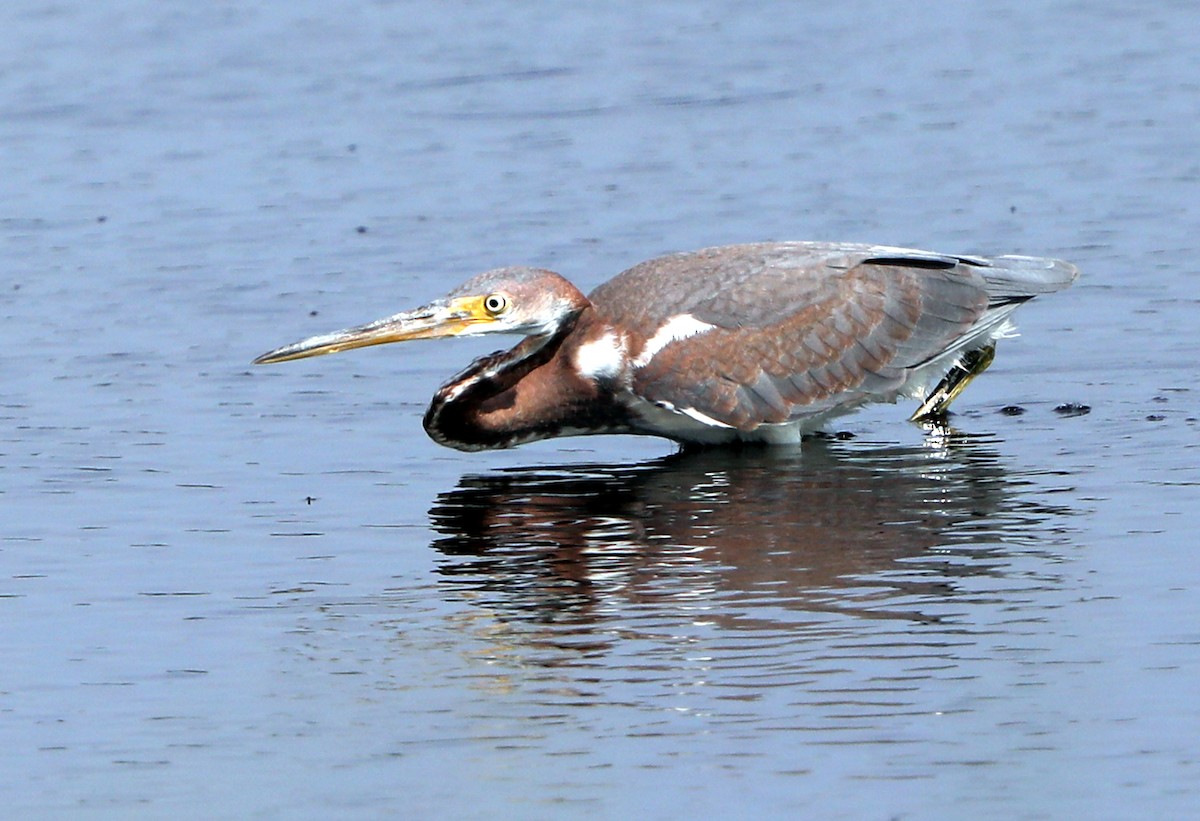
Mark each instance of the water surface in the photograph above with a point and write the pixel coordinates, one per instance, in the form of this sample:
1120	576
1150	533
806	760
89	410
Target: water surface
235	592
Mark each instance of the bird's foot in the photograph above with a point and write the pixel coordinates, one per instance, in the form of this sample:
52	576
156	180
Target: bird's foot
935	406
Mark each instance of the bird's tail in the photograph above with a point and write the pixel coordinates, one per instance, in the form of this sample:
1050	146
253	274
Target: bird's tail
1017	278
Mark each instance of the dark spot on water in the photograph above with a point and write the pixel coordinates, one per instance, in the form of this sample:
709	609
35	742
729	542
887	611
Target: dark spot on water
101	218
362	229
1159	398
1072	409
312	313
352	147
826	436
1012	410
1154	417
308	500
1012	209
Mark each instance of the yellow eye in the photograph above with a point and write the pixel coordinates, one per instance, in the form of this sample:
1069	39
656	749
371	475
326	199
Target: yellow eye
495	304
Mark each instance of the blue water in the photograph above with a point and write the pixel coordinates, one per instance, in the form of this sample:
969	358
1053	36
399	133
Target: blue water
264	593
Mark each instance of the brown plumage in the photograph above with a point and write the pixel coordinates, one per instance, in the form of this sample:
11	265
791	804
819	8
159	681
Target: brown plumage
755	342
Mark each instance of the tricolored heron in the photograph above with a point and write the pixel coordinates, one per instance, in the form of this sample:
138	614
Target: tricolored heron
758	343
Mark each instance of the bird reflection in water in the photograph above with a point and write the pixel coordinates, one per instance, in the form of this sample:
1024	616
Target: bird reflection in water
878	533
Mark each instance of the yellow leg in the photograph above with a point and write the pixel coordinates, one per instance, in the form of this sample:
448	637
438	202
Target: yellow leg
954	382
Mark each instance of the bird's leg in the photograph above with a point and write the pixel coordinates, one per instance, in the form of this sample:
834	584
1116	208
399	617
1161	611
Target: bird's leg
954	382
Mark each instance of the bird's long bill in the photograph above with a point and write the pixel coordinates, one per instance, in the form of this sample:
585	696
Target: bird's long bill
441	318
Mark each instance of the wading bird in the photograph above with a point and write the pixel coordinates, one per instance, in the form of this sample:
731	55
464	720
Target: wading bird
751	343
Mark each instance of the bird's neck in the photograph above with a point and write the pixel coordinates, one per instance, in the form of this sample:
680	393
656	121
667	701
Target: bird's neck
536	390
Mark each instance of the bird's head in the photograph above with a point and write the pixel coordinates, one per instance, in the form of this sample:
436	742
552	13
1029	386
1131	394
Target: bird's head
525	301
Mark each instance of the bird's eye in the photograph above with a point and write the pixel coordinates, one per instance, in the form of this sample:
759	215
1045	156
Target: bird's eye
495	304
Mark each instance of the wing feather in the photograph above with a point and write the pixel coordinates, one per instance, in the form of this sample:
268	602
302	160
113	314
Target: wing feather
800	329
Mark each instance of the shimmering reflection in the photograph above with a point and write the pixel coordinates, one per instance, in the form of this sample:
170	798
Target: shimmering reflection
846	593
830	592
751	540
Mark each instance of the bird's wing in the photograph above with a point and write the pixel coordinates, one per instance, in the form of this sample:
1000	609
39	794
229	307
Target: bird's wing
777	332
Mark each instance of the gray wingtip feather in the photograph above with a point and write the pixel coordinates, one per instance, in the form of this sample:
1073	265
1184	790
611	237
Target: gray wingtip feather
1018	276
